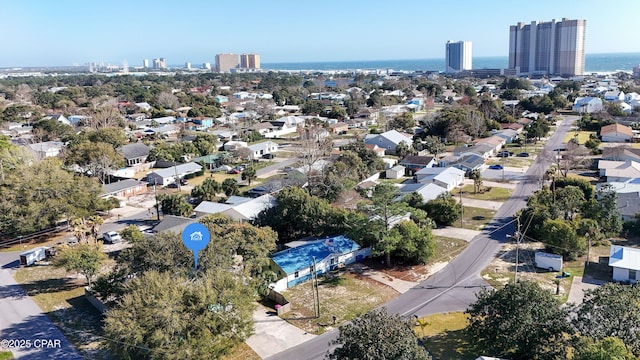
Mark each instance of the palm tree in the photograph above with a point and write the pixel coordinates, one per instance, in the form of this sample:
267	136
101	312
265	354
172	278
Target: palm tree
94	222
476	176
80	229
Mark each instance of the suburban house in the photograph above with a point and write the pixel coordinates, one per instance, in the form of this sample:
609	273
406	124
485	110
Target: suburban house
628	186
495	141
238	208
625	262
259	149
203	123
389	140
415	163
170	175
59	118
621	153
428	191
618	171
448	177
512	126
616	133
507	134
587	105
395	172
628	204
134	154
295	264
376	149
46	149
483	150
614	95
172	223
338	128
468	162
234	145
124	188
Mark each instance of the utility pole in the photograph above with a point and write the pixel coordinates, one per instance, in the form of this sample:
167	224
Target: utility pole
461	209
155	195
316	293
518	235
588	250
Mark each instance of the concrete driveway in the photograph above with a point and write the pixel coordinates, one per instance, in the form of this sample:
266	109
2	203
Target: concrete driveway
273	334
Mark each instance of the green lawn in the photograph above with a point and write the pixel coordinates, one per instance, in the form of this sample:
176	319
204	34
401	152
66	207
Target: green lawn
490	193
475	218
583	136
444	336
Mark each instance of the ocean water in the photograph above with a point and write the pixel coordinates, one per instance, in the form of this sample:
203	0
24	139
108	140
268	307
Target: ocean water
599	63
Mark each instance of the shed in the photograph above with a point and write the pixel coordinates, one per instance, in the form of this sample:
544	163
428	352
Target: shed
169	175
395	172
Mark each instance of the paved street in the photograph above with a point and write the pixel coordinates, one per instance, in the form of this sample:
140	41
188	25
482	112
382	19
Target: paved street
454	287
21	318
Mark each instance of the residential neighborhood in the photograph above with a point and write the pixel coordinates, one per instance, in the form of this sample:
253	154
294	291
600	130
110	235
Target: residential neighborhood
437	204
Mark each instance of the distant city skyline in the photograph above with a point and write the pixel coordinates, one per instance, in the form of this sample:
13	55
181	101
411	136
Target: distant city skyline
44	33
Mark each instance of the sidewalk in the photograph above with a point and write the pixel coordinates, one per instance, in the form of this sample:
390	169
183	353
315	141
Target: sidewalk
272	334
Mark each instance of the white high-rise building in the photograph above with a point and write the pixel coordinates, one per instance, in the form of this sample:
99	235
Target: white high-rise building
458	56
206	66
187	65
554	47
145	63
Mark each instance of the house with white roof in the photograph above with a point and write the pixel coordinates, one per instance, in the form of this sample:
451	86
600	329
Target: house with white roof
428	191
618	171
395	172
614	95
238	208
262	148
170	175
389	140
46	149
59	118
621	187
625	262
448	177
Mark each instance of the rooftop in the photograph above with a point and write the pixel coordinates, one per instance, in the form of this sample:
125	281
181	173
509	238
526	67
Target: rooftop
301	256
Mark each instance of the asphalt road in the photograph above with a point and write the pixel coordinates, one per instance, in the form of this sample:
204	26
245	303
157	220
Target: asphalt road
454	287
22	319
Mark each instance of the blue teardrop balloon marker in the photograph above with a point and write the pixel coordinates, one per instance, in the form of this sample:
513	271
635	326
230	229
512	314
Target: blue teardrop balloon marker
195	237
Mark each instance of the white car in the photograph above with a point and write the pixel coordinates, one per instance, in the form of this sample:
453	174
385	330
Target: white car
111	237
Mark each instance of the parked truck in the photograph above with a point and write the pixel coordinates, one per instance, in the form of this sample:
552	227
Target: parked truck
30	257
551	262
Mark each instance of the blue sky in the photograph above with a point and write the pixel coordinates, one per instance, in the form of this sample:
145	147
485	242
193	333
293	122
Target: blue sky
47	32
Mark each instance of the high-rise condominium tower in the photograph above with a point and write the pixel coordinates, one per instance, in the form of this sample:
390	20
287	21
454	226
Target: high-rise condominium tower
555	48
250	61
457	56
226	62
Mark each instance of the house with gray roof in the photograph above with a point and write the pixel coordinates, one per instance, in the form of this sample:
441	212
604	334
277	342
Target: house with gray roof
124	188
389	140
46	149
469	162
135	153
621	153
164	177
628	204
238	208
428	191
172	223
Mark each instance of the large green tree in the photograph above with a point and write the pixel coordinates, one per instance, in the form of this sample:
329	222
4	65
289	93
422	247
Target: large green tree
378	335
169	316
611	310
560	237
519	321
609	348
444	209
82	258
207	191
174	204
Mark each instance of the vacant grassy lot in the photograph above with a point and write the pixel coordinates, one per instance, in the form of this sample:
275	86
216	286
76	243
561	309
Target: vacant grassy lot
61	298
344	294
447	248
242	352
491	193
443	336
582	136
475	218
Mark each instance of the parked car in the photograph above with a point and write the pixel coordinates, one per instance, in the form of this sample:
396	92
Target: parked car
111	237
523	154
504	153
268	156
496	167
184	181
234	171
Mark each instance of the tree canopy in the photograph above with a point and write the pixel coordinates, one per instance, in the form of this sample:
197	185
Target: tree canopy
378	335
